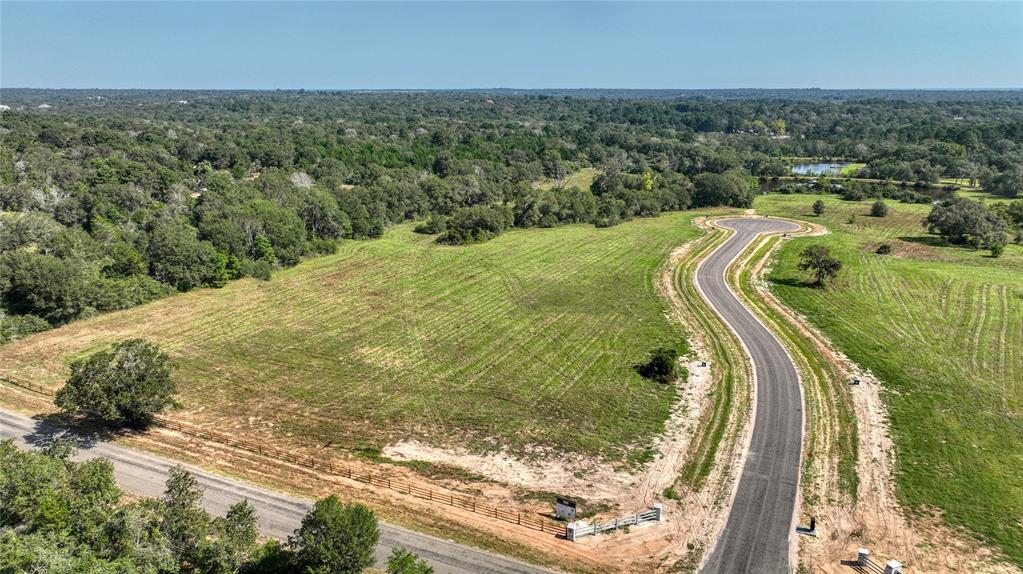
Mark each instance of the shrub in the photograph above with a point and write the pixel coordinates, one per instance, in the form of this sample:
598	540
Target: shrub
401	561
884	249
256	269
853	194
126	385
662	365
879	209
476	224
818	207
15	327
432	226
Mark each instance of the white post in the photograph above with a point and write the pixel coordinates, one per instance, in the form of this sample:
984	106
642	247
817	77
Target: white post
863	558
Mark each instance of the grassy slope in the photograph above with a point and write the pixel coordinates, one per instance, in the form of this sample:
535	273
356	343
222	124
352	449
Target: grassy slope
529	339
943	328
581	179
851	169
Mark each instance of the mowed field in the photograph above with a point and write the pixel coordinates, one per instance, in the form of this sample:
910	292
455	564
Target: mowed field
942	327
581	179
526	341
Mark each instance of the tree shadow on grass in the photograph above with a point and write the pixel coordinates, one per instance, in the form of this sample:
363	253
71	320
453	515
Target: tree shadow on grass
80	432
795	282
928	240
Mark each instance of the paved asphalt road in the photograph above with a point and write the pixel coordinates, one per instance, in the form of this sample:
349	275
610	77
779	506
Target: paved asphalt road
756	536
279	514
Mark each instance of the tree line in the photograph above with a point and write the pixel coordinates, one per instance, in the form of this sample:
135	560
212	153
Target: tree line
112	199
57	515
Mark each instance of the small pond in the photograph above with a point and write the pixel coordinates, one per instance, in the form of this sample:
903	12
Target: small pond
818	168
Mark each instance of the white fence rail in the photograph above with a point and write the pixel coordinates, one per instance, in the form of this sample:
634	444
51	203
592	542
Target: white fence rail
577	530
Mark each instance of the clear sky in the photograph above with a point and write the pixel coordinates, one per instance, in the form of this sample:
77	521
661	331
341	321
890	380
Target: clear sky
424	44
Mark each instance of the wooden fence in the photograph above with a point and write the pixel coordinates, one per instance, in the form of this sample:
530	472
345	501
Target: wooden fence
528	520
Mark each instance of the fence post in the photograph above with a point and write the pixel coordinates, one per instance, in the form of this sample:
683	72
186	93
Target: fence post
659	509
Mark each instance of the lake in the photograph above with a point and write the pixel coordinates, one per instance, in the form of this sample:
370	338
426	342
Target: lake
818	168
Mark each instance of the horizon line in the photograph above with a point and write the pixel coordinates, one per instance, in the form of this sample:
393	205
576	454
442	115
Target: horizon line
507	88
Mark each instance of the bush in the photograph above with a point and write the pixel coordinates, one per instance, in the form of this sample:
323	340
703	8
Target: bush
256	269
432	226
818	207
321	246
18	326
476	225
401	561
879	209
126	385
883	249
662	365
853	194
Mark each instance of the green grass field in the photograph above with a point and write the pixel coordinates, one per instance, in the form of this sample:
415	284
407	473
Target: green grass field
581	179
942	327
851	169
527	340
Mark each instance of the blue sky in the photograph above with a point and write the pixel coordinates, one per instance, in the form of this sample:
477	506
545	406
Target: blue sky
423	44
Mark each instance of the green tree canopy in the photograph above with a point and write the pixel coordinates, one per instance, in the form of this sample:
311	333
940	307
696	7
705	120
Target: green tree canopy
963	221
818	258
125	385
336	538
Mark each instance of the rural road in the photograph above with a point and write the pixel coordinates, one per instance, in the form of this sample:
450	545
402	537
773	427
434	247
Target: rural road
756	535
279	514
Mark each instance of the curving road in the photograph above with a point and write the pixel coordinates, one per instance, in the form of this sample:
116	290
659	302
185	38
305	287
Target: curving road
756	535
279	514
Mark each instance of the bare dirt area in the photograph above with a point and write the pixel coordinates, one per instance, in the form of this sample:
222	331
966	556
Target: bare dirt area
875	520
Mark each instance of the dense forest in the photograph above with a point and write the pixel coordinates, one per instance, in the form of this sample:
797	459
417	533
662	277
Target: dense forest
109	199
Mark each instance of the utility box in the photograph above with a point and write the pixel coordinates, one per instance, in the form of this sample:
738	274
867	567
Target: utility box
565	509
893	567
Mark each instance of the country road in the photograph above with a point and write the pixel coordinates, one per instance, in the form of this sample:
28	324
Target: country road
279	514
757	533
